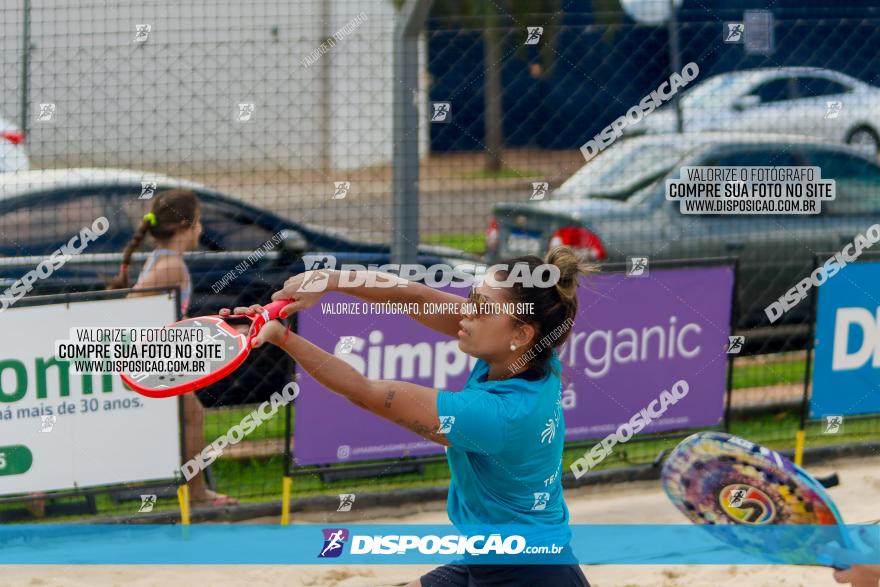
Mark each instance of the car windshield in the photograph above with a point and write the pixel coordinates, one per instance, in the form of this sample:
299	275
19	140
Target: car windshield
715	90
622	170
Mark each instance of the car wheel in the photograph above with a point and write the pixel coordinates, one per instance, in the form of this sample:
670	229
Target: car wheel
864	136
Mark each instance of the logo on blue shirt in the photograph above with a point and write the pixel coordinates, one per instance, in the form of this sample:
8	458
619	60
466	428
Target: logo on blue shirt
541	500
446	423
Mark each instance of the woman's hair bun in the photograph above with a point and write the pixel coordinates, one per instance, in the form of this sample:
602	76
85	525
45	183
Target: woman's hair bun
570	269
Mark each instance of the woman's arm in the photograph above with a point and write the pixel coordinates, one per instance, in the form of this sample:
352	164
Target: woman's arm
859	575
390	288
406	404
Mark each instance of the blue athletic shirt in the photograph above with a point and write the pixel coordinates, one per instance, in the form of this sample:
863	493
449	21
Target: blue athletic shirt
505	452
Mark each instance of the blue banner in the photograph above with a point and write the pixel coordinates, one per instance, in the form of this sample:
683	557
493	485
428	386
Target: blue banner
846	368
630	544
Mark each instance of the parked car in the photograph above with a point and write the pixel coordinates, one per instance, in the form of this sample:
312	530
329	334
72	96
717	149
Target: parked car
615	207
812	101
39	210
12	154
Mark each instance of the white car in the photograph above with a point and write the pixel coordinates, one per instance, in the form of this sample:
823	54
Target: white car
819	103
12	154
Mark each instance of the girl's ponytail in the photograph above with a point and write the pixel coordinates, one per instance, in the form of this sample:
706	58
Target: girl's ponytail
121	280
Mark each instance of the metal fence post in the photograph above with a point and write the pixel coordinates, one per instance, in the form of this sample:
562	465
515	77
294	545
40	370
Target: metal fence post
675	60
286	475
25	64
734	318
326	91
801	435
405	150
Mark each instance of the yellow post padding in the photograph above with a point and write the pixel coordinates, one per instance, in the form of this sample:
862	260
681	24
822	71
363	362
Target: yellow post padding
286	486
799	442
183	500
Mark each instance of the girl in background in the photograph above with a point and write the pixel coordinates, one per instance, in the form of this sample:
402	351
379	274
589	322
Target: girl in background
174	224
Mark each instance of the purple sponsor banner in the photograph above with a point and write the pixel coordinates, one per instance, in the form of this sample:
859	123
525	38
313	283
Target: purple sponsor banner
636	336
633	338
329	429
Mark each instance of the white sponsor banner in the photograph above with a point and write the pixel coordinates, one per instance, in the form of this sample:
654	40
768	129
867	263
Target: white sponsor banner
60	429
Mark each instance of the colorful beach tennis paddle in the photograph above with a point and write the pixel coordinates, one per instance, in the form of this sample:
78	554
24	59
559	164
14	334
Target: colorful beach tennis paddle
717	478
237	348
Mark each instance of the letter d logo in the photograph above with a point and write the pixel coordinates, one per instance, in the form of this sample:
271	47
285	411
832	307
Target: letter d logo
844	320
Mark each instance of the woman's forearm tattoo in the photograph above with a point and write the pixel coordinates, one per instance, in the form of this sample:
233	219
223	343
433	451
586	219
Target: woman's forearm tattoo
424	431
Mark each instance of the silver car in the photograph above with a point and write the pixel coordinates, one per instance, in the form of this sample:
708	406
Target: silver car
812	101
615	207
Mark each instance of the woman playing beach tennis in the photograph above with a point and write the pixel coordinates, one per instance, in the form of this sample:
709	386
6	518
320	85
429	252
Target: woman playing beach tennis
504	431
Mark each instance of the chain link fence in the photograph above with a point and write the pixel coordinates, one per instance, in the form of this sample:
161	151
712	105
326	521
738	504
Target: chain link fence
280	116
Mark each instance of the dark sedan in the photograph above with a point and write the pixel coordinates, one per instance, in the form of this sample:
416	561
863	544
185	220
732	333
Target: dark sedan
245	252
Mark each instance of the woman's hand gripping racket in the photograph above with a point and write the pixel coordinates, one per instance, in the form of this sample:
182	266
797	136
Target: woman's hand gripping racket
717	478
237	348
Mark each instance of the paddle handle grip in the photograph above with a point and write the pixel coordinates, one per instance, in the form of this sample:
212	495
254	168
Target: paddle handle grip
270	312
274	309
